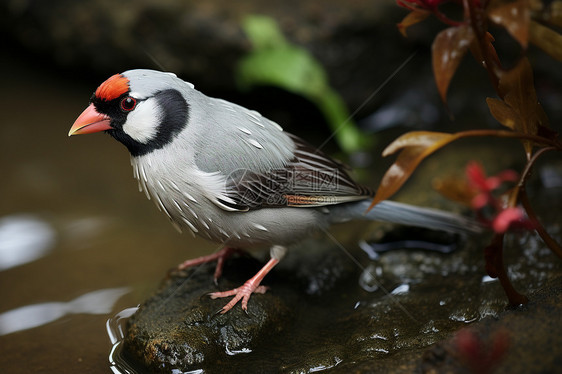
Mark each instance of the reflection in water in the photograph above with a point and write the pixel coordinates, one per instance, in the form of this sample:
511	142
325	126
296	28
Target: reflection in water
401	289
369	279
488	279
318	368
23	238
29	316
115	328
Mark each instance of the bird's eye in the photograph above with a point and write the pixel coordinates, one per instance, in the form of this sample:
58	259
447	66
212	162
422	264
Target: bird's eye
128	104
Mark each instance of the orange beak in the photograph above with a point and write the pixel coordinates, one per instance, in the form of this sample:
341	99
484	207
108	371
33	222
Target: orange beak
90	121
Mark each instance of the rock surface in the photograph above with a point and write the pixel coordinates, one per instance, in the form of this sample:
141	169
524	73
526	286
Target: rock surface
179	327
528	340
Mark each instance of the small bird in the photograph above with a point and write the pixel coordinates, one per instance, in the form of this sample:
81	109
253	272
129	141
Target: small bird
230	175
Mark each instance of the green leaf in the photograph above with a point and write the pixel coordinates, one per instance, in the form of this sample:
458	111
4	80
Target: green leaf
276	62
286	67
263	32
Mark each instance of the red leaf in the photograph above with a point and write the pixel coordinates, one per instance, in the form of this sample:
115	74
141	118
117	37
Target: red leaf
476	176
479	201
506	218
448	49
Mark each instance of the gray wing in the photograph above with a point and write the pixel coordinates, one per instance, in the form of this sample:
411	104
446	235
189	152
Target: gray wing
309	179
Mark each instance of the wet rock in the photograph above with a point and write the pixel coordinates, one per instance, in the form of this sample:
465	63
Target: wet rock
179	328
524	340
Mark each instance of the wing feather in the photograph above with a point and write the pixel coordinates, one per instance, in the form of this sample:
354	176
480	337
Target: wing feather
310	179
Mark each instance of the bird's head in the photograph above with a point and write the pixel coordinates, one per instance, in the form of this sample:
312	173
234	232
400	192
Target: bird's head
143	109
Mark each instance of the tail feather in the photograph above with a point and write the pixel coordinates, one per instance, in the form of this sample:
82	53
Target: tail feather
405	214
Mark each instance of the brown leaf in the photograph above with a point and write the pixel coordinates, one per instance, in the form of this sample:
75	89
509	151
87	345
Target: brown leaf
415	139
455	188
398	173
487	44
518	91
415	146
515	18
448	49
546	39
503	113
412	18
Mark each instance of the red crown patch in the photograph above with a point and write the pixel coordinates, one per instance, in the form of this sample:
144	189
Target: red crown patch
113	87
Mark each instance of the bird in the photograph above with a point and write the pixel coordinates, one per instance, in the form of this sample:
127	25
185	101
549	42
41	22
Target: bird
230	175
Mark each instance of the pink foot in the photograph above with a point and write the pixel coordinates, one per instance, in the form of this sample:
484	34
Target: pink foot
244	292
241	293
219	257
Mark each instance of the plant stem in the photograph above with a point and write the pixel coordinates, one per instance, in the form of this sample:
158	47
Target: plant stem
521	194
554	144
479	27
495	269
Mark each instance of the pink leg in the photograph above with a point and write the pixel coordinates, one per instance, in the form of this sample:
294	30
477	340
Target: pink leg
245	291
219	257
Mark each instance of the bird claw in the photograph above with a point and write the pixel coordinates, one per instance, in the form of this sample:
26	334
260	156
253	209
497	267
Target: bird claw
247	289
241	293
218	312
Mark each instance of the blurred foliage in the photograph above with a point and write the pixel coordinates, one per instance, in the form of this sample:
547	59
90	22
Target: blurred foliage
276	62
516	107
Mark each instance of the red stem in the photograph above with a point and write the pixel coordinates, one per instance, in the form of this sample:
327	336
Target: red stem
521	193
495	269
510	134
